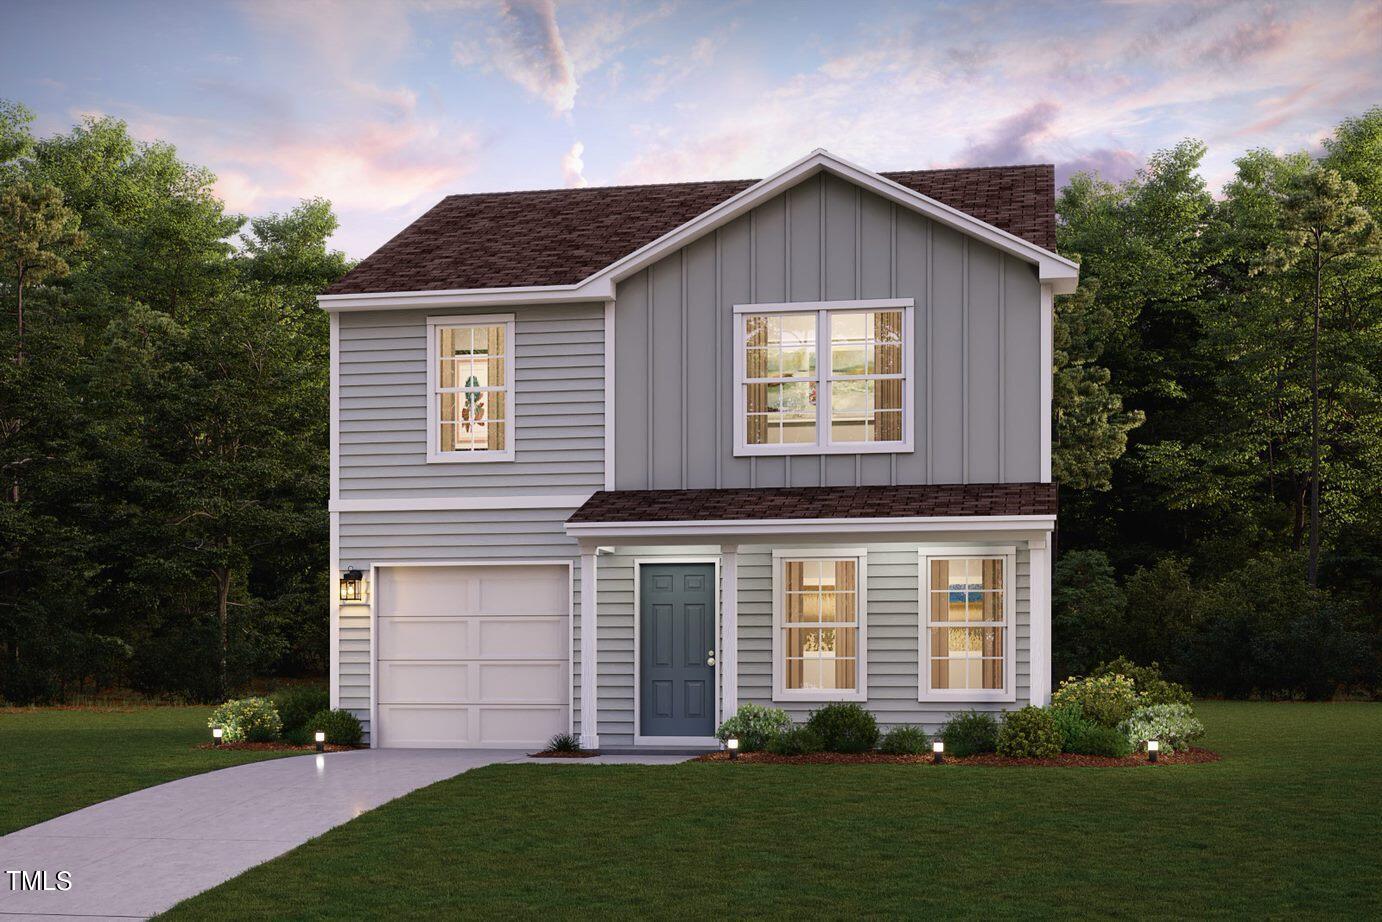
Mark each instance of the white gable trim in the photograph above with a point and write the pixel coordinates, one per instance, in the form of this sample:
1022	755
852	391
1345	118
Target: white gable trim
1053	269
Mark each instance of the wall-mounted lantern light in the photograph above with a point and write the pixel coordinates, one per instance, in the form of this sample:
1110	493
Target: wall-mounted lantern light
321	741
216	734
1153	747
938	750
354	589
732	744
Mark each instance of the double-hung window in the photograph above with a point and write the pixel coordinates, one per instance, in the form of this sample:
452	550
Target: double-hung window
470	388
824	377
967	637
819	625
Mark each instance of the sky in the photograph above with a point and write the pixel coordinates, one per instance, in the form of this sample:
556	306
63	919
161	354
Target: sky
384	108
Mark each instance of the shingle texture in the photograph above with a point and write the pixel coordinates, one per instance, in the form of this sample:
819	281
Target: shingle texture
904	501
562	236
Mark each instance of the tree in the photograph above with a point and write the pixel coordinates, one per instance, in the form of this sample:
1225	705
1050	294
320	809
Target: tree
35	227
1324	224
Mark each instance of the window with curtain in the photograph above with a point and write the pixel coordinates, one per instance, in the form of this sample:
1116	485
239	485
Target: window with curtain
820	626
471	403
966	624
824	380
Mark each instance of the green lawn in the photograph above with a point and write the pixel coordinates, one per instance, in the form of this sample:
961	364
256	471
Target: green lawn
53	761
1287	824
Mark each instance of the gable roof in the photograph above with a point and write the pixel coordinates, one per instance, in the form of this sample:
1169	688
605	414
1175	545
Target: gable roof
564	236
905	501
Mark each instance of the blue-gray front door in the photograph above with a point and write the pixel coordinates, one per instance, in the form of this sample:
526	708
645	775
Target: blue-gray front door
677	652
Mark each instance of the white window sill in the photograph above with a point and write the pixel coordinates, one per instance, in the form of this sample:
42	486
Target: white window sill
853	448
823	696
966	696
468	457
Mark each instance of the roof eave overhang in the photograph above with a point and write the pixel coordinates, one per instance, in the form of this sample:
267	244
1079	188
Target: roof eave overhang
1052	269
752	530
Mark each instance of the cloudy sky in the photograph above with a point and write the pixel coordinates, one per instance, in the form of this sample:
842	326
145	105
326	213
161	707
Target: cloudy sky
384	108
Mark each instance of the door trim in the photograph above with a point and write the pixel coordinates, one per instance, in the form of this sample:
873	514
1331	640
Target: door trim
377	565
638	738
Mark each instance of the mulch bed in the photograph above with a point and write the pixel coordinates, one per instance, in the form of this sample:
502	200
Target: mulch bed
279	747
1065	759
564	754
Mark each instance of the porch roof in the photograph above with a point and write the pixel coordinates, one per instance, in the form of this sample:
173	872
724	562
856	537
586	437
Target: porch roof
836	506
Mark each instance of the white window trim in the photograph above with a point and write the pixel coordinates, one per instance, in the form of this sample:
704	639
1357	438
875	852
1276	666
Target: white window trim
434	454
861	681
1008	693
824	445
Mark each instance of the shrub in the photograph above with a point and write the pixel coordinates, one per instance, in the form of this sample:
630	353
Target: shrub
906	741
342	727
797	741
1069	721
1029	734
297	704
844	727
1106	699
970	733
253	720
1175	726
1091	739
1147	680
564	742
754	725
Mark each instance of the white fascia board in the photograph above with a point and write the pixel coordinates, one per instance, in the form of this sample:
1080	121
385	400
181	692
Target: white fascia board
1061	273
788	527
462	503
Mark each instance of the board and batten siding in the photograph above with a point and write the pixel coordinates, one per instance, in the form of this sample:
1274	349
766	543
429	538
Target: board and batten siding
977	361
559	412
893	620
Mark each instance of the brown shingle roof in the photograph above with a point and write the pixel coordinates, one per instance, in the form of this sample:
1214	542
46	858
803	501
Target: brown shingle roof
562	236
903	501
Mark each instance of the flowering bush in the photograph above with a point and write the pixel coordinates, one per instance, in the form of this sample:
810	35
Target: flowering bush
1175	726
253	720
1105	699
1029	733
1151	687
755	726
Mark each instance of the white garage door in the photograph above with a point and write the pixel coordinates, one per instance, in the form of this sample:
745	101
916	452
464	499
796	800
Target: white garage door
473	656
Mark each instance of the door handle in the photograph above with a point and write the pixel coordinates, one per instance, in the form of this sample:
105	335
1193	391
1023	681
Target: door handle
710	658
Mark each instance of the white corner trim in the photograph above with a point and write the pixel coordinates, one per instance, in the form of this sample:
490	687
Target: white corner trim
1048	327
462	503
608	435
590	657
1007	694
1039	642
1062	273
860	692
786	527
334	611
499	455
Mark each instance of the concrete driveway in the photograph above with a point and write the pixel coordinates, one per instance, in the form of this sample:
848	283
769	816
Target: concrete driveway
137	855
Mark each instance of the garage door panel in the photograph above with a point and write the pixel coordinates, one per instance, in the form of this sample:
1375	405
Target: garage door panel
473	656
405	726
522	638
520	683
424	683
411	638
519	726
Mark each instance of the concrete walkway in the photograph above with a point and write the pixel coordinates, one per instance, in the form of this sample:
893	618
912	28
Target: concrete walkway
138	855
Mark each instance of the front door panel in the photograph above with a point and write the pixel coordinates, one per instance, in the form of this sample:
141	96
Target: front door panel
677	649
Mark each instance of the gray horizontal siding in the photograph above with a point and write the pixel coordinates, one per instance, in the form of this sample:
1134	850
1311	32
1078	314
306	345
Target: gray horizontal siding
976	327
368	538
893	623
558	376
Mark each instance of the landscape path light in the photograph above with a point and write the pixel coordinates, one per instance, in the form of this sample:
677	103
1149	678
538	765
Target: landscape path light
321	741
216	734
938	750
732	744
1153	747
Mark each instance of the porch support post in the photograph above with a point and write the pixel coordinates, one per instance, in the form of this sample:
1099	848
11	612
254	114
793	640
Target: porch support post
1039	563
590	737
729	630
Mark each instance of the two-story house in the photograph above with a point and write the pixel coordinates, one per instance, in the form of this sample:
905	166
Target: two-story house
616	460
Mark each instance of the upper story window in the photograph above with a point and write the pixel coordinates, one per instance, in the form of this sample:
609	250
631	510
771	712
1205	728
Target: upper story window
824	377
470	388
